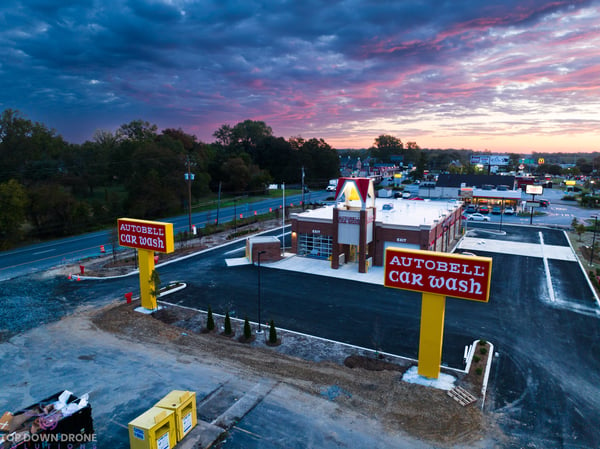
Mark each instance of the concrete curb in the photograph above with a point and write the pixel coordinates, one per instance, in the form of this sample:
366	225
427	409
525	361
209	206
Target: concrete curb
587	278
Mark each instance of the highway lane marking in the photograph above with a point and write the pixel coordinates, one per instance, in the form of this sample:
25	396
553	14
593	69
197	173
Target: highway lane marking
47	251
47	258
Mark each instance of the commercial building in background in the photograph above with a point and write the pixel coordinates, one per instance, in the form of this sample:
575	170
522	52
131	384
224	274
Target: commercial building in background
359	227
479	190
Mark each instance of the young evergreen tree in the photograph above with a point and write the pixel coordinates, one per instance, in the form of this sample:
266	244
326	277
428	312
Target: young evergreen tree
272	333
247	329
210	321
580	230
227	324
155	283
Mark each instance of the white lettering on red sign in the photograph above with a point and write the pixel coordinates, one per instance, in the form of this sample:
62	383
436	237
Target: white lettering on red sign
464	277
144	236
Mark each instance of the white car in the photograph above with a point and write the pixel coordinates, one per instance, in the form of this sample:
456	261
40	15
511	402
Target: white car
509	211
330	188
478	217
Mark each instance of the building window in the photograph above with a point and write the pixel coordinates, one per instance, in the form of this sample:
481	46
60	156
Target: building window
317	246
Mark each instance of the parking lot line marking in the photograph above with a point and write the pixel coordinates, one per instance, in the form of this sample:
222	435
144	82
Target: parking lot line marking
547	269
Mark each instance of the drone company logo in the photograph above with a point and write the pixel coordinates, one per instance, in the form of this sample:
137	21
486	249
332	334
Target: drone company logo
22	440
149	235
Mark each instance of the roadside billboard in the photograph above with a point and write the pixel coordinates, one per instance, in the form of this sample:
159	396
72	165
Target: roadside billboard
491	160
534	190
459	276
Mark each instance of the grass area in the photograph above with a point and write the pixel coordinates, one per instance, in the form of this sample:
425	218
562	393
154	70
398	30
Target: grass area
210	201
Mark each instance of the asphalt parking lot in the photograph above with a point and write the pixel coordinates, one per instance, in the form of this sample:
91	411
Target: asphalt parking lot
542	318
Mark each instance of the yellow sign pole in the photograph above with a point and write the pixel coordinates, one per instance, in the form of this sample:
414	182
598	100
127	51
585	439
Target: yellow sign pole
147	295
433	308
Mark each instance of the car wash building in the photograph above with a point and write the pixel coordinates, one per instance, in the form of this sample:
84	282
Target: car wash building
358	227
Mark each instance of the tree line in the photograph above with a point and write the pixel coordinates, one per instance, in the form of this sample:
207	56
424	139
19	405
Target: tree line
51	188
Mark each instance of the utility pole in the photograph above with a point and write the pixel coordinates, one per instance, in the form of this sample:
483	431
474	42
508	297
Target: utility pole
303	188
595	217
218	203
189	183
283	223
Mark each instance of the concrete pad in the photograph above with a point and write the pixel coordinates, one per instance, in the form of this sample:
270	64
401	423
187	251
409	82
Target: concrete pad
238	261
202	436
246	403
443	382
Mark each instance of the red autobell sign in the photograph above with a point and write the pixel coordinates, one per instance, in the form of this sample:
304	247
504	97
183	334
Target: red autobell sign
466	277
148	235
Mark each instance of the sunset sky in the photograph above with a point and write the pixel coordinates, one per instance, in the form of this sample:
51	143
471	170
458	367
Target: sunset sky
504	76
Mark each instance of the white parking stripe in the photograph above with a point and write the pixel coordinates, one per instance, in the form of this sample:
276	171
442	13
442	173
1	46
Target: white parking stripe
518	248
547	269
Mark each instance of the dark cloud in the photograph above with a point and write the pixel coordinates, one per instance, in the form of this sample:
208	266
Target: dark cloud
328	67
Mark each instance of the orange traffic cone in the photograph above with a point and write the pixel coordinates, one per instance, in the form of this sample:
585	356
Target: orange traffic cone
102	249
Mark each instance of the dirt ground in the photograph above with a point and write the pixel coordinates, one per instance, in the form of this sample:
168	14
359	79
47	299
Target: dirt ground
373	384
425	413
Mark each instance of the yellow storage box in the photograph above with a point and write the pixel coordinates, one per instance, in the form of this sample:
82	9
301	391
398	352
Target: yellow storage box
153	429
183	404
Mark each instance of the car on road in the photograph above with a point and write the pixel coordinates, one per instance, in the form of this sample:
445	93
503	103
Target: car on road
330	188
509	211
478	217
544	203
496	210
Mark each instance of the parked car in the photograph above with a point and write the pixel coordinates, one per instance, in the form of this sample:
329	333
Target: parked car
478	217
496	210
388	206
470	209
509	211
484	210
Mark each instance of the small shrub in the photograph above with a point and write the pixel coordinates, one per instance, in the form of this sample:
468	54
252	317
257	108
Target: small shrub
482	342
247	329
227	330
476	358
210	321
483	350
272	333
478	371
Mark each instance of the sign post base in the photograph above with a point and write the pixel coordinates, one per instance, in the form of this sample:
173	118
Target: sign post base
433	309
148	298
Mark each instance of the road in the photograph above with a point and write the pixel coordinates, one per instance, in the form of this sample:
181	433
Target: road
40	257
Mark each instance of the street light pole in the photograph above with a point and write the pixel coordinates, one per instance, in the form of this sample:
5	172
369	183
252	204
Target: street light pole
259	331
234	215
501	214
189	185
595	217
303	188
283	222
